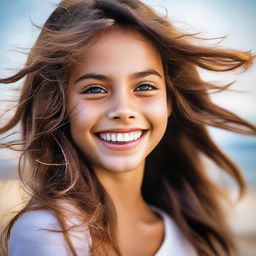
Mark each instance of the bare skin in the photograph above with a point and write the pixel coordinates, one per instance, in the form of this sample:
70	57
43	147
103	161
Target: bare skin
116	103
140	230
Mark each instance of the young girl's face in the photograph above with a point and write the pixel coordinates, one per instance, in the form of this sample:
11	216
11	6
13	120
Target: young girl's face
117	100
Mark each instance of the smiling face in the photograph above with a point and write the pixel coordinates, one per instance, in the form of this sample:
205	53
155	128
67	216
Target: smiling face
117	100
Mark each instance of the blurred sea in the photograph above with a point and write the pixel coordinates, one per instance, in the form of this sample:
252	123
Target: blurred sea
245	156
242	149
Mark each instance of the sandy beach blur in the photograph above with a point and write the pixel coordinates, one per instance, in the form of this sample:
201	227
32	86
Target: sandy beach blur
242	220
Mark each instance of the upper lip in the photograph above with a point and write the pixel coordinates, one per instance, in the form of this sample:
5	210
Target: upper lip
122	130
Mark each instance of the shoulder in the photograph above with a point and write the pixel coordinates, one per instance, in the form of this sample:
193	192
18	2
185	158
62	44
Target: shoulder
36	219
36	233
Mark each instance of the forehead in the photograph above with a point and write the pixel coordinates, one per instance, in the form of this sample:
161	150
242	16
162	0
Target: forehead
119	50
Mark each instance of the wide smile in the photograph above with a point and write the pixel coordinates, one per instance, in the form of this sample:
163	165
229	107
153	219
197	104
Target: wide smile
121	140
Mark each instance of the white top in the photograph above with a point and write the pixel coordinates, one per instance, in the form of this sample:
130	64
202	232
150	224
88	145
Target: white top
29	237
174	244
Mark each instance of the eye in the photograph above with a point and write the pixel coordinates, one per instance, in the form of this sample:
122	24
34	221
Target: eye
146	87
94	90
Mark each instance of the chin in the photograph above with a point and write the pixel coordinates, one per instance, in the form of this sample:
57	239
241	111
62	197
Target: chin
119	167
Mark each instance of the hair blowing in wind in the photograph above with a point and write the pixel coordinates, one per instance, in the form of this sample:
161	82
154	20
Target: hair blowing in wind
175	178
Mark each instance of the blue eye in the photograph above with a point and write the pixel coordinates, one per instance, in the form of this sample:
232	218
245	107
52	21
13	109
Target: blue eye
145	87
93	90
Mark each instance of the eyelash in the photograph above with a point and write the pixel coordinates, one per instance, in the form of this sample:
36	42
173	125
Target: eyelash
148	85
86	91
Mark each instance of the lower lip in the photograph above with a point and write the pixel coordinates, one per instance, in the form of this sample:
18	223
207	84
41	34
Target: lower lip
121	147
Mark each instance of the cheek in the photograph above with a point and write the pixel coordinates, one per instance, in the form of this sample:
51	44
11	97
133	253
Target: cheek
83	117
157	110
157	116
82	122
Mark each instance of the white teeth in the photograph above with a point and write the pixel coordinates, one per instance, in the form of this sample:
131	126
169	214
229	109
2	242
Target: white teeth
113	137
126	137
121	137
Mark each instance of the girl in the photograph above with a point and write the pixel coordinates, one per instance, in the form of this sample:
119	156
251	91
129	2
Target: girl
114	115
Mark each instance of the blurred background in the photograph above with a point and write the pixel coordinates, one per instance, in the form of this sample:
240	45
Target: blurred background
234	19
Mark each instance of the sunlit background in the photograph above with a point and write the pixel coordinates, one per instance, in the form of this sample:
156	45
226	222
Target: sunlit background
234	19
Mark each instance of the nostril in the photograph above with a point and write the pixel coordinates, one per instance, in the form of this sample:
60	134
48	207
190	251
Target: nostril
119	117
122	115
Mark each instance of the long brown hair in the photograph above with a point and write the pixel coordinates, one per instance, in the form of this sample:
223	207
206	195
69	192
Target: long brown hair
175	179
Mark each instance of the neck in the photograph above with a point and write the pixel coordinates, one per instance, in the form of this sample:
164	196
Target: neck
125	190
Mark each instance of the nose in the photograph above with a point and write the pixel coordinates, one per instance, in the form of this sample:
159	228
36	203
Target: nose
116	115
122	108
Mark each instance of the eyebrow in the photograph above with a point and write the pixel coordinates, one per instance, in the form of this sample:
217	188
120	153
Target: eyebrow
133	76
